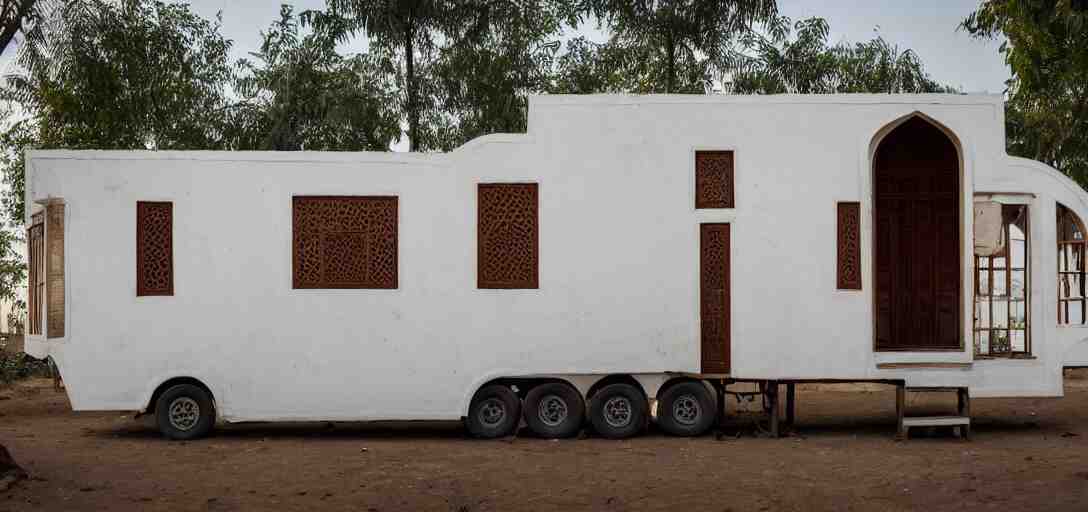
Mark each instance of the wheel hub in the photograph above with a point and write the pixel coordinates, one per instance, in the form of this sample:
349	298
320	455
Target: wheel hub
492	412
617	412
552	411
686	410
184	413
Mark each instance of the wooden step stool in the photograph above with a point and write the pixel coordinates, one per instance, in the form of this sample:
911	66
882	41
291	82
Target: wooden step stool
961	421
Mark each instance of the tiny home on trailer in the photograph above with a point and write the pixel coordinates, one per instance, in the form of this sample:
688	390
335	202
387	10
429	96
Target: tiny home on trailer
626	251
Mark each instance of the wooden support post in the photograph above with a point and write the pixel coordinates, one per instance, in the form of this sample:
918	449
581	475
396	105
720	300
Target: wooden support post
791	403
963	407
772	398
900	409
719	386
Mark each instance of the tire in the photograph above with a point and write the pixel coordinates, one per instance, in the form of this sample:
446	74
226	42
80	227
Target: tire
618	411
554	410
495	412
686	409
184	412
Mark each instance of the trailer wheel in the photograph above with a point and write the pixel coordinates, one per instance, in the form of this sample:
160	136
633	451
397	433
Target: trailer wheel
618	411
554	410
686	409
184	412
495	412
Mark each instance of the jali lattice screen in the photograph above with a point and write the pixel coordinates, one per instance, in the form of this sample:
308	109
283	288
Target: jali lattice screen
154	248
713	179
345	242
848	273
507	236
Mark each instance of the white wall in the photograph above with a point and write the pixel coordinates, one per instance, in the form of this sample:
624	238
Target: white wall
618	259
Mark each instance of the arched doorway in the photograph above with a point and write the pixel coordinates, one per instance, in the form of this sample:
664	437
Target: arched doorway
916	184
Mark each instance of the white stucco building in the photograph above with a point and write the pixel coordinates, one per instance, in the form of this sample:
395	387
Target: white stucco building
626	238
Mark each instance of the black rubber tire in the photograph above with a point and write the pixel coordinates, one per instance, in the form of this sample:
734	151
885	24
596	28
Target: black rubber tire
182	395
555	394
493	422
686	409
637	411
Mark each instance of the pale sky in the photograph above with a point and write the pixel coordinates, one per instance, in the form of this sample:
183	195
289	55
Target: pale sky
928	26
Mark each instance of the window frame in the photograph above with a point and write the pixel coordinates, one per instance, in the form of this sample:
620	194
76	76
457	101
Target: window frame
1064	213
1007	269
35	237
485	281
299	283
142	287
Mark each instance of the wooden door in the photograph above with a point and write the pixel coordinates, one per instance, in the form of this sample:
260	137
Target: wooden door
916	184
714	308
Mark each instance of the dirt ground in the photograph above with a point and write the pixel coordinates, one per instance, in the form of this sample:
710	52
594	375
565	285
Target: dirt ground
1025	454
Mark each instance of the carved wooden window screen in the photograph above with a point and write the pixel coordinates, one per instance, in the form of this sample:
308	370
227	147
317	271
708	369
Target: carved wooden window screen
849	246
154	248
507	236
714	179
714	297
344	242
36	268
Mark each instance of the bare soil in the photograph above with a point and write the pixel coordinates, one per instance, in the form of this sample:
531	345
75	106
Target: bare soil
1025	454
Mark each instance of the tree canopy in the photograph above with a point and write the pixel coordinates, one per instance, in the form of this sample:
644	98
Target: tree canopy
299	93
1046	47
798	59
673	46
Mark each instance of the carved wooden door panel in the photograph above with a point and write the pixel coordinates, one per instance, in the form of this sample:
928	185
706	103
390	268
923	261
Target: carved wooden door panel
916	183
714	297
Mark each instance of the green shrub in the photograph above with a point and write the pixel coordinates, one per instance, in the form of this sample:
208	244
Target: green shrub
21	366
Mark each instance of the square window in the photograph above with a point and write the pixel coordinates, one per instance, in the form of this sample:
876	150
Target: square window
713	179
344	242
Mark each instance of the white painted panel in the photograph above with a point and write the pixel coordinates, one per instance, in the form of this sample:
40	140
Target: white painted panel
618	259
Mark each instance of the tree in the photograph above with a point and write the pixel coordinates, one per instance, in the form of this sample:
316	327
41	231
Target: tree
301	94
587	67
806	64
499	53
408	29
1047	106
125	75
112	75
19	15
676	45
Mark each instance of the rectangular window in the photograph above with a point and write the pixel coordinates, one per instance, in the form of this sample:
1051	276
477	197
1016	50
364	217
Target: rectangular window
507	236
54	270
715	311
713	179
344	242
154	248
1071	288
848	273
35	239
1001	291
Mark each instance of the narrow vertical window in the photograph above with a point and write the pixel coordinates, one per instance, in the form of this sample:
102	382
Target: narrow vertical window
1001	290
713	179
154	248
54	270
1071	245
344	242
35	239
507	236
714	297
848	273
